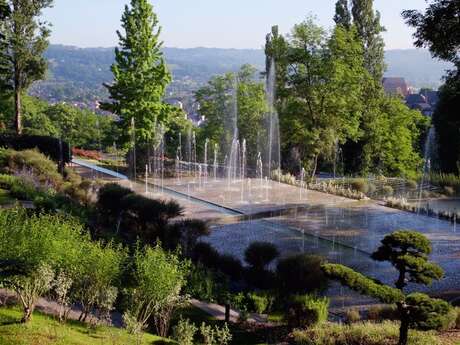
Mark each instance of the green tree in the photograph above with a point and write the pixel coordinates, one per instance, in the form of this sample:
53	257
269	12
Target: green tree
319	106
140	75
26	39
342	13
438	30
367	22
159	277
408	252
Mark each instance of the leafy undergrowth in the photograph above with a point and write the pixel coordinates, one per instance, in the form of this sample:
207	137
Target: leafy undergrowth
362	333
5	198
44	330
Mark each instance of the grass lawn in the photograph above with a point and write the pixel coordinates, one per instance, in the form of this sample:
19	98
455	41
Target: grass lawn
44	330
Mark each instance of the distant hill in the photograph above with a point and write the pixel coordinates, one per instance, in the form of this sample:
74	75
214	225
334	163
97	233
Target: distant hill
77	74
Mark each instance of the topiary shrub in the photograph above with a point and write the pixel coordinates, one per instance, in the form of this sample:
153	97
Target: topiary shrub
260	254
306	310
300	274
411	184
109	199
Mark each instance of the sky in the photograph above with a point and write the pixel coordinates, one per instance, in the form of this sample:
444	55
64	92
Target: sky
212	23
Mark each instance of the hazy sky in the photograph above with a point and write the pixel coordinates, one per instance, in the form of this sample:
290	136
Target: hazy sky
212	23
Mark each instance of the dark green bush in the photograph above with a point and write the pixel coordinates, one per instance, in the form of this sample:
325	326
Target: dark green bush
205	254
109	199
306	310
260	254
300	274
231	266
51	147
205	285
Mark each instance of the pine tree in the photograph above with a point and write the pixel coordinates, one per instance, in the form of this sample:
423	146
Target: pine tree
408	252
26	39
140	74
342	14
370	30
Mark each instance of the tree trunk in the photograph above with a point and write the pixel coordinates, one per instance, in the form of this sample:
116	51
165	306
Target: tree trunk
27	316
403	332
17	110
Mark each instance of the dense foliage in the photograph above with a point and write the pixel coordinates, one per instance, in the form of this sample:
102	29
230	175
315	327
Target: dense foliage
330	99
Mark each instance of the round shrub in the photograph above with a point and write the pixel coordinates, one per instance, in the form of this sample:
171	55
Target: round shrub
360	185
300	274
387	190
411	184
260	254
109	198
259	303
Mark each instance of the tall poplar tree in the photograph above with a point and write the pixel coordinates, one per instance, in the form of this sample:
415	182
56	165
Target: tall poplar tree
342	14
26	39
367	22
140	74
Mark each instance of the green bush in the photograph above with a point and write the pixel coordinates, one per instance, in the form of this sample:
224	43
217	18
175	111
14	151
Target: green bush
307	310
366	333
109	199
205	285
387	190
259	303
411	184
457	320
360	185
32	163
300	274
184	332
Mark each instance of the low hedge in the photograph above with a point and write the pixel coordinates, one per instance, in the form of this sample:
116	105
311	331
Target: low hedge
52	147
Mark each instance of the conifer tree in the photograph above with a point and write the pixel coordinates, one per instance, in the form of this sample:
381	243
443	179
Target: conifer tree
408	252
26	39
370	31
342	14
140	74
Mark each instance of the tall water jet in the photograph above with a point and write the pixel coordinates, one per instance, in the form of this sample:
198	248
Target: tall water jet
205	160
272	122
216	150
428	154
233	154
260	171
133	147
194	162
